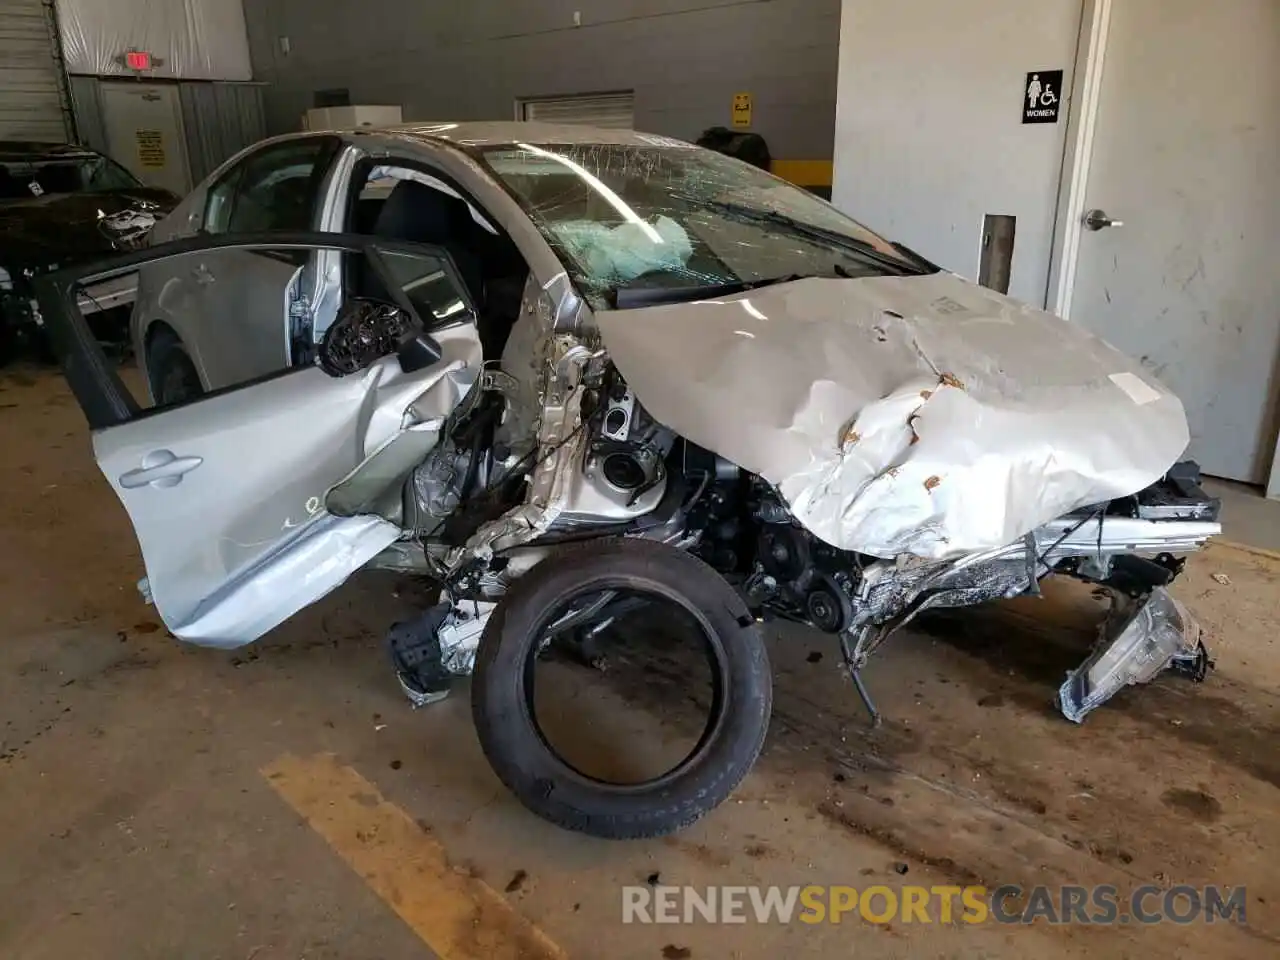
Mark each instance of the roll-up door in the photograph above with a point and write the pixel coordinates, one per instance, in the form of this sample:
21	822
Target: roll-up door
32	103
613	110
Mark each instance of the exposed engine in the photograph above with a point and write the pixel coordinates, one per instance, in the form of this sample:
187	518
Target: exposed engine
637	477
747	531
804	577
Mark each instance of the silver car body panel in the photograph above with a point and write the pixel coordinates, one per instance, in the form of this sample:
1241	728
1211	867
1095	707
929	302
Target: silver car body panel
923	420
240	534
919	415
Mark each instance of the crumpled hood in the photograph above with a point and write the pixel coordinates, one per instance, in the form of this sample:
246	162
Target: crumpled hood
918	415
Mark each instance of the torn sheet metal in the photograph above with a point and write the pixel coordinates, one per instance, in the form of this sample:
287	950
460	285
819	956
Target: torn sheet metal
918	415
309	566
333	444
1148	638
459	636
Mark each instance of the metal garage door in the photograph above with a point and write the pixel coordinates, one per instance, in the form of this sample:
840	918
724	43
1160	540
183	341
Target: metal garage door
31	92
613	110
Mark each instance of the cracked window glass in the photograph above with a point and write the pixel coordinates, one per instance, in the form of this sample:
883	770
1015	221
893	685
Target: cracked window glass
673	218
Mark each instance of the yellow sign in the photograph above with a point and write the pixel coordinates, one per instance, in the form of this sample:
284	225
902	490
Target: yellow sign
151	149
742	109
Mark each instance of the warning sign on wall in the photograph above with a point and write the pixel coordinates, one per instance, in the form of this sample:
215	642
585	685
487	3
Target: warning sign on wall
151	149
742	109
1042	96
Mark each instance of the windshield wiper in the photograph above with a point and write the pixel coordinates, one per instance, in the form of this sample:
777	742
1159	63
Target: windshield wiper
809	231
928	265
623	297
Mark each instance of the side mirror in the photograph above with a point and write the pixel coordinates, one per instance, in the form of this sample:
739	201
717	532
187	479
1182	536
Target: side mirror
366	331
418	351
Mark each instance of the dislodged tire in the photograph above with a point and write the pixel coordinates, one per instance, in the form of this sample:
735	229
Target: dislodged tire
502	702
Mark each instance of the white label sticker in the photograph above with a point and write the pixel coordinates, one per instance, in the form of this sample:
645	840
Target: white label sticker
1139	391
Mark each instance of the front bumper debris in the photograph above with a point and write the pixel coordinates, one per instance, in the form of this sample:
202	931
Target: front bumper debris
1139	641
439	644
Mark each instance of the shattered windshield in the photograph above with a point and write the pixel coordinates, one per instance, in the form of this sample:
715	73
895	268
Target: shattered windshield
681	222
90	173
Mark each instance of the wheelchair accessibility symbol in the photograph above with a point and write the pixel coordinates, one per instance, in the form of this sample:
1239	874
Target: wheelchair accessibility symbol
1042	96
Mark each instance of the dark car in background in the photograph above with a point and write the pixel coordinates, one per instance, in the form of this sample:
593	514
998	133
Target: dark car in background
61	204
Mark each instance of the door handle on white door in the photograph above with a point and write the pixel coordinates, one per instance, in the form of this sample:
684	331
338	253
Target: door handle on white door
160	468
201	275
1098	220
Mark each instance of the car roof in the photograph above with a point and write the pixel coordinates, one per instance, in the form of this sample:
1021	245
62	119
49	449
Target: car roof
483	133
38	150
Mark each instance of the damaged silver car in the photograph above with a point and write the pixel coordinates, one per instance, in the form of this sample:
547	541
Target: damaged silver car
566	373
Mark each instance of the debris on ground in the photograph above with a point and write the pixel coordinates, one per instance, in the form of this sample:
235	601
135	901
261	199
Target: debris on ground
517	881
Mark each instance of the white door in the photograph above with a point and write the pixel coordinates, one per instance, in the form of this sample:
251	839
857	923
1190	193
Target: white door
1187	155
143	123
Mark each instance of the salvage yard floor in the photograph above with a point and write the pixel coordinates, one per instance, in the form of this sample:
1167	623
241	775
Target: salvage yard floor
283	801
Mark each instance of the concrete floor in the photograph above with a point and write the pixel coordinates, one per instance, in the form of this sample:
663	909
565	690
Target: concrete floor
1248	517
283	801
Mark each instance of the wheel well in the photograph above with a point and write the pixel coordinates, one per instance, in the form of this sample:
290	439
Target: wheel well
156	331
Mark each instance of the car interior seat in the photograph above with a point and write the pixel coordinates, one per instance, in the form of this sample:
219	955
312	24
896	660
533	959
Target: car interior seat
417	213
489	264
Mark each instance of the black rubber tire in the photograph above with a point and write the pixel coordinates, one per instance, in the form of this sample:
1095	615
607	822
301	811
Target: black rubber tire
172	372
548	786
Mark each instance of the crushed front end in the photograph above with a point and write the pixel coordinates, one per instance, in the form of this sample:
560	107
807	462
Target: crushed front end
1131	547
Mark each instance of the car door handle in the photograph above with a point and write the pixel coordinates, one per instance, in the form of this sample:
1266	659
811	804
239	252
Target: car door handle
201	275
160	468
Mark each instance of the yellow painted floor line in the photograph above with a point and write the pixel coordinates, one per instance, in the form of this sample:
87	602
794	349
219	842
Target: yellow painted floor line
458	916
1245	548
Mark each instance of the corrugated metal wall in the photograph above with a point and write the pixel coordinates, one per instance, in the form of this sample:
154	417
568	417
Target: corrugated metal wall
32	96
88	110
219	119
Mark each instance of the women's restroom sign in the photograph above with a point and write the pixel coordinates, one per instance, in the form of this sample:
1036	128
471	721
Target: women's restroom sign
1042	96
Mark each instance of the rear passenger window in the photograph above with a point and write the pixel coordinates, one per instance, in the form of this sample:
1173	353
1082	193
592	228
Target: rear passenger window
277	188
